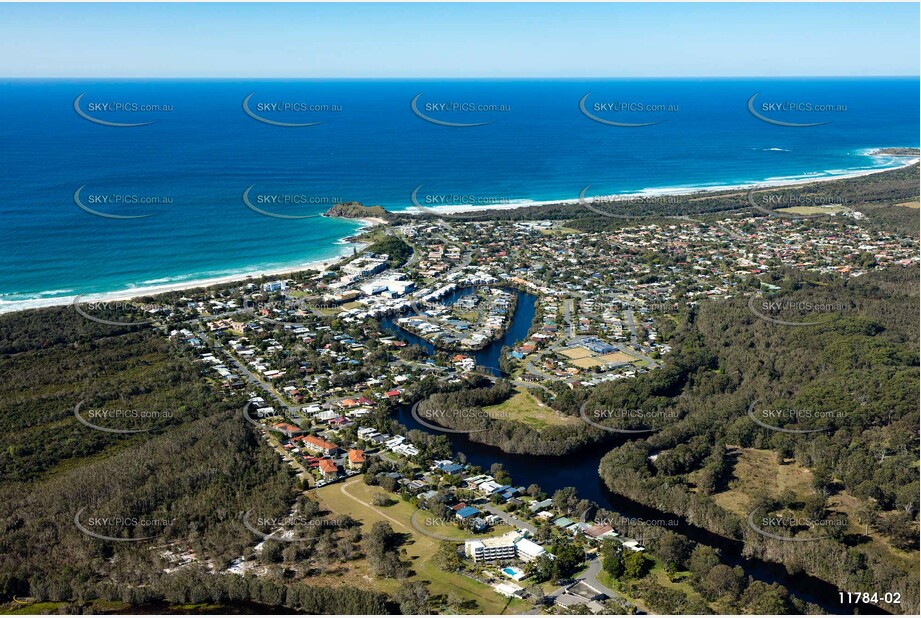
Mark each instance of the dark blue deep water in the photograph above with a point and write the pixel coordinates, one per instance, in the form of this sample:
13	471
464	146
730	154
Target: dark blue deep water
202	151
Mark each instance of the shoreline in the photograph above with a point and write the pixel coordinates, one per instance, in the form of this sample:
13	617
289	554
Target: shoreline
39	302
153	290
904	161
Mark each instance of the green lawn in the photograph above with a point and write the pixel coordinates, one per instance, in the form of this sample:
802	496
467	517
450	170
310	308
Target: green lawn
354	498
523	407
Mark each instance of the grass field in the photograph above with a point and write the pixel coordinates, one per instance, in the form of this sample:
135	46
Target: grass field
659	575
576	353
522	407
758	470
426	521
616	357
585	363
354	498
30	609
812	210
914	204
559	231
21	608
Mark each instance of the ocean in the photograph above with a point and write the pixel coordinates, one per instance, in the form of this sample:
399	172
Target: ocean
90	207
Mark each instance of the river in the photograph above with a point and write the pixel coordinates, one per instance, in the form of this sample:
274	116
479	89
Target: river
581	471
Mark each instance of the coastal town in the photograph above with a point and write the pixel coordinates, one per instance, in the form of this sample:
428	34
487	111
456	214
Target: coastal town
326	358
551	309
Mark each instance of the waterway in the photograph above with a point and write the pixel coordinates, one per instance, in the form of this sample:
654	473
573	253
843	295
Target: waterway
488	357
581	472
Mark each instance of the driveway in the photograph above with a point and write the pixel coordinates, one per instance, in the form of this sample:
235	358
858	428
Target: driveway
509	519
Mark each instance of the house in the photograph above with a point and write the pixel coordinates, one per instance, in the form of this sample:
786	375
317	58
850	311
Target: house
466	513
415	485
394	442
406	449
319	445
356	458
450	468
328	470
287	429
600	531
583	590
365	433
563	522
274	286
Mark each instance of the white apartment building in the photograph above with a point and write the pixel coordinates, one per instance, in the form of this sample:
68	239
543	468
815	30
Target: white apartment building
509	545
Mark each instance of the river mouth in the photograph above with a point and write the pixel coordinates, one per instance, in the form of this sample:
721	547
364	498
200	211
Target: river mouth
580	470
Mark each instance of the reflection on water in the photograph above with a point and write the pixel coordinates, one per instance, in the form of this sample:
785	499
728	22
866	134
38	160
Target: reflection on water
580	470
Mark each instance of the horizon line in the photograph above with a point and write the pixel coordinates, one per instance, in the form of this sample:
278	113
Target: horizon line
458	78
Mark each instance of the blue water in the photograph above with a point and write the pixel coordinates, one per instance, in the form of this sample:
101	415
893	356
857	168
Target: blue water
487	358
205	151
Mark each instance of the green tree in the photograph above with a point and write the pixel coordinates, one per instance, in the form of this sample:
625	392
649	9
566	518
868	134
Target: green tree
636	564
674	550
612	558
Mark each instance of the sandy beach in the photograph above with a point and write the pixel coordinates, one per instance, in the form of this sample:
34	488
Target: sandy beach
770	183
319	265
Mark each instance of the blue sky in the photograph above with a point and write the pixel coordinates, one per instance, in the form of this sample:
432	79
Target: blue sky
458	40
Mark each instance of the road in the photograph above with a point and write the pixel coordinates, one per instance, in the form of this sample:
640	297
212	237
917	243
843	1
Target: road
568	306
248	375
594	568
508	518
634	338
590	577
529	385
